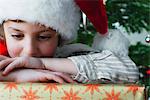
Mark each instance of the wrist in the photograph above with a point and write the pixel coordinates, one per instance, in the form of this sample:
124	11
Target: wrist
59	65
43	63
7	78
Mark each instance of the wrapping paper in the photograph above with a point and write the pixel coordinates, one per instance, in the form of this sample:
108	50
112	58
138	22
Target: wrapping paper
55	91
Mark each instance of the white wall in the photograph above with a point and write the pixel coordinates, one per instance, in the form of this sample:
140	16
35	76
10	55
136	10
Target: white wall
136	37
133	37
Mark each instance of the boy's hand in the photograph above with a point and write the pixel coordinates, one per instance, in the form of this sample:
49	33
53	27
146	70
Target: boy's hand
3	57
36	75
20	62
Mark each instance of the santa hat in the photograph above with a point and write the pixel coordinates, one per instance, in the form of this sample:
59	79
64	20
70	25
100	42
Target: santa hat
61	15
96	13
114	39
3	49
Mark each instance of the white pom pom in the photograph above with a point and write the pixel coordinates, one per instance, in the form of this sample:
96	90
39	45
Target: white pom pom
115	41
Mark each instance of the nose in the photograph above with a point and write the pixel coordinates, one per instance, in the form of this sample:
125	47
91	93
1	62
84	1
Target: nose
30	49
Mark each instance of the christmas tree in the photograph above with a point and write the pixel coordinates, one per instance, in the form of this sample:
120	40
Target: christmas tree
133	16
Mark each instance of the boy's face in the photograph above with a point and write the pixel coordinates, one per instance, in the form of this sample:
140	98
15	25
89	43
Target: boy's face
27	39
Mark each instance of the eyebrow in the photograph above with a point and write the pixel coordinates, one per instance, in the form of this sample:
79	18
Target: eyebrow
15	29
18	21
41	31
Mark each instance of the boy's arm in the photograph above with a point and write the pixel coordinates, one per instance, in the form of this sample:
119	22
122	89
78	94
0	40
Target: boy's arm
60	65
8	78
54	64
35	75
84	68
105	67
96	67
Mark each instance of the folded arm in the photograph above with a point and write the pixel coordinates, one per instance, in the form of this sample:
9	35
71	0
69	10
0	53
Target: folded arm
35	75
104	67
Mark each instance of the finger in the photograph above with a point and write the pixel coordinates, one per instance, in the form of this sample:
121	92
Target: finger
11	66
5	63
51	76
3	57
66	77
55	78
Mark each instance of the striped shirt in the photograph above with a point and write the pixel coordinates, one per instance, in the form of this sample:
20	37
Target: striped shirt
101	66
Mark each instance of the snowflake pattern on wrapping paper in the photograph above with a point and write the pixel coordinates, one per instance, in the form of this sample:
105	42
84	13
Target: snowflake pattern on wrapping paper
10	86
30	94
52	91
50	87
92	88
134	89
71	95
112	95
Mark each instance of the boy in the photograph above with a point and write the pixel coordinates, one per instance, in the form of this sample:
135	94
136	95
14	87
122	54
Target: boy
36	34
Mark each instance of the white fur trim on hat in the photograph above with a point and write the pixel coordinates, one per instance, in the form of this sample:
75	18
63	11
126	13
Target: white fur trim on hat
61	15
115	41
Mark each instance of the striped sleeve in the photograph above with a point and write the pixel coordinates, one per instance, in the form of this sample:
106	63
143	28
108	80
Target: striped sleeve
104	66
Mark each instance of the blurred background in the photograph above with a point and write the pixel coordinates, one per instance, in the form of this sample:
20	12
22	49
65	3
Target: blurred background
132	18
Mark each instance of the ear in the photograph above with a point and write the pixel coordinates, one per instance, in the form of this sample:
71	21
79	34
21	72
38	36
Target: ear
3	47
1	32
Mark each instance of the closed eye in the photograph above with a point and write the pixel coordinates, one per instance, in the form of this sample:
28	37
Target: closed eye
44	38
17	37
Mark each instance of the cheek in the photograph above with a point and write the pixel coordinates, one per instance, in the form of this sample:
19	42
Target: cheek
48	49
12	46
13	50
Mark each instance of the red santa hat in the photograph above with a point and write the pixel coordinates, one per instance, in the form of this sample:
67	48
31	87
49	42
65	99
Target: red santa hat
3	49
61	15
113	40
96	13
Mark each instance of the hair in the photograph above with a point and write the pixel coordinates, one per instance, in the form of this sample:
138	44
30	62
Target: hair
2	29
21	21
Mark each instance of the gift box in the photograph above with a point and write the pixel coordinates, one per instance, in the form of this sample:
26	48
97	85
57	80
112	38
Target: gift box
55	91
